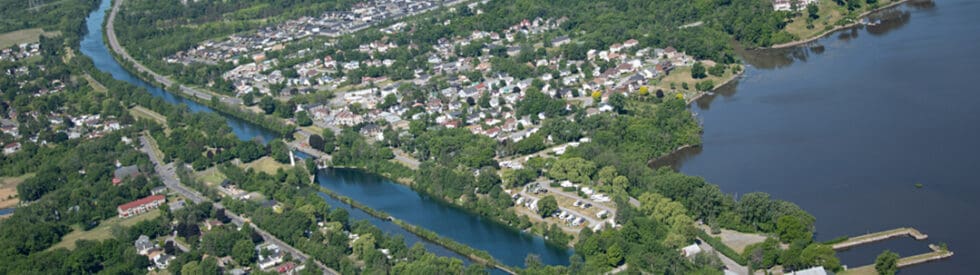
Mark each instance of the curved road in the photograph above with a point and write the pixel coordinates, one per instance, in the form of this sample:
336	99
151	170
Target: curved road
116	47
169	177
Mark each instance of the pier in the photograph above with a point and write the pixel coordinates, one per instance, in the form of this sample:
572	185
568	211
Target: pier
880	236
938	253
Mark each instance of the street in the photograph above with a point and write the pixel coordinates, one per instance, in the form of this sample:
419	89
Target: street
169	177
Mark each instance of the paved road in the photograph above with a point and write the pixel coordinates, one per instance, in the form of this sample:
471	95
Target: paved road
116	47
169	177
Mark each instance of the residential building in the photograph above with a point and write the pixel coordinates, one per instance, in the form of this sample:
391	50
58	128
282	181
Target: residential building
140	206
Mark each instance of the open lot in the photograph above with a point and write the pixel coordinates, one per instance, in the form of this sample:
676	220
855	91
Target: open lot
103	231
23	36
8	190
265	164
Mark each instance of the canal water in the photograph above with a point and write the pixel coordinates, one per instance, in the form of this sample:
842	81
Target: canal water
846	126
510	247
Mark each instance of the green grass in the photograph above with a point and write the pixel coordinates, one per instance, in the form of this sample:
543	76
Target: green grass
19	37
141	112
830	14
103	231
211	176
8	189
265	164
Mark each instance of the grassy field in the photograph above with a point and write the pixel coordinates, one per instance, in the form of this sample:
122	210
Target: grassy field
23	36
211	176
141	112
265	164
830	13
683	75
103	231
8	189
98	87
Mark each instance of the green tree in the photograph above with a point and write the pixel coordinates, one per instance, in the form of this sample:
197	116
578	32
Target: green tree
791	229
267	104
547	206
887	263
614	255
820	255
573	169
698	71
243	252
607	174
279	151
717	70
813	10
303	119
248	99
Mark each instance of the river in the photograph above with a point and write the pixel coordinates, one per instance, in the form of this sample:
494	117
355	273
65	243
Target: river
846	126
508	246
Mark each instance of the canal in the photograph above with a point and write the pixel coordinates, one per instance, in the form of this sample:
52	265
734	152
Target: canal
503	243
848	125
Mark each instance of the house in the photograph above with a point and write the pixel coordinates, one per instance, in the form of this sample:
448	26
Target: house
561	40
819	270
124	172
287	267
271	257
143	245
630	43
690	250
11	148
162	261
787	5
140	206
158	190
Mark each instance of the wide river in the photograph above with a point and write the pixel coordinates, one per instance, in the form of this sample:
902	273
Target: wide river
846	126
507	245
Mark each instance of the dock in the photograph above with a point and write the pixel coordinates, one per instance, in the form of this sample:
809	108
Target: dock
880	236
938	253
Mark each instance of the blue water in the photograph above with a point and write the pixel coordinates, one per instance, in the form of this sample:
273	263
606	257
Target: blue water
846	126
92	46
503	243
6	211
508	246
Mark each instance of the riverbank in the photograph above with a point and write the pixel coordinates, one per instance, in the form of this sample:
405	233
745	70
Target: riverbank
478	256
841	27
226	105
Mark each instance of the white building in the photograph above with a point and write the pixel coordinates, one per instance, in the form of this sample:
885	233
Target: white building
787	5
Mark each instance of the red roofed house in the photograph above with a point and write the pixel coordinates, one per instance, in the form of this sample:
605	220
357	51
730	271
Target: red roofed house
140	206
286	267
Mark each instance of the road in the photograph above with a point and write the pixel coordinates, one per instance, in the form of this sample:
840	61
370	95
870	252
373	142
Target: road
169	177
116	47
557	190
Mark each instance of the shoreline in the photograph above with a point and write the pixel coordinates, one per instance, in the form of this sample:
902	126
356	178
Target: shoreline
425	234
835	29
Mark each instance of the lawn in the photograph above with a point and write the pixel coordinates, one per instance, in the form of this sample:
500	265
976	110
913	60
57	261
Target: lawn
20	37
103	231
211	176
265	164
681	75
98	87
830	13
141	112
8	189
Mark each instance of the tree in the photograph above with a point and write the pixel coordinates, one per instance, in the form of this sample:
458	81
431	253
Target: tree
717	70
303	119
573	169
329	141
316	141
596	95
813	10
267	104
698	71
248	99
547	206
820	255
614	255
644	91
607	174
791	229
279	151
618	102
243	252
887	263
